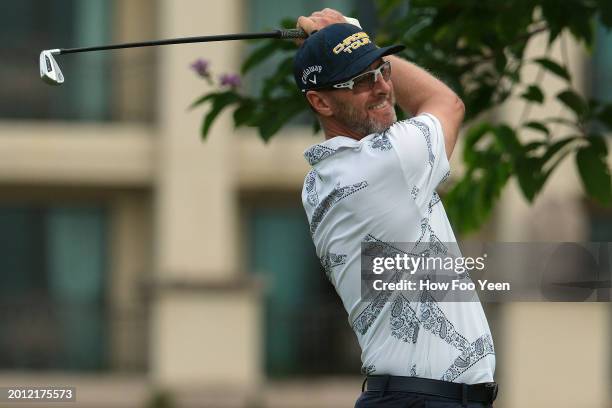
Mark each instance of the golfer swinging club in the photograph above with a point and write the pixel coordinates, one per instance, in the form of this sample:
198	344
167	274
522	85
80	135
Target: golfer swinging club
374	179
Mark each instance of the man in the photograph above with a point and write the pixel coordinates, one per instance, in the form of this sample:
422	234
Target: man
374	180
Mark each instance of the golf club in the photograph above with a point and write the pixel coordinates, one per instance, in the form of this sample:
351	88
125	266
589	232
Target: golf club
51	73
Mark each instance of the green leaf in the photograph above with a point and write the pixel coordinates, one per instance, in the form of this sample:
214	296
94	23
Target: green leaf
537	126
244	113
203	99
281	78
507	140
461	204
553	67
220	102
553	14
288	22
275	119
262	53
533	146
472	136
553	33
479	99
573	101
533	94
605	115
551	167
529	175
553	153
595	174
605	12
500	61
598	143
557	146
470	201
582	29
563	121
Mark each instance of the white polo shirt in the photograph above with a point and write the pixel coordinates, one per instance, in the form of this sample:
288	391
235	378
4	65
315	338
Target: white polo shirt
383	188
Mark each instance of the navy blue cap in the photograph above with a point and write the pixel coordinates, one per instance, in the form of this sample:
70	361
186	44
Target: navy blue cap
335	54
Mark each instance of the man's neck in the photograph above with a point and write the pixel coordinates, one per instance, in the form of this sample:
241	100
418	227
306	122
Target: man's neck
333	129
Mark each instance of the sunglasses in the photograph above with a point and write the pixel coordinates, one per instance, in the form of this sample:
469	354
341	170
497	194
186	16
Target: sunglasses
366	81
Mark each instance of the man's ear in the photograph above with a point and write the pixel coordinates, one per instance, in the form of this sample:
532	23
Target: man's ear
320	103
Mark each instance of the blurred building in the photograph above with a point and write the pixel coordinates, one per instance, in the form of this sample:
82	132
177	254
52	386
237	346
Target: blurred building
147	267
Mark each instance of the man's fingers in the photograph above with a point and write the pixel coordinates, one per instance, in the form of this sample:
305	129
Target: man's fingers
332	12
306	24
318	20
334	15
329	14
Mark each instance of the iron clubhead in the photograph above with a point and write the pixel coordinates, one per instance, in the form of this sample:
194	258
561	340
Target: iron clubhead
49	70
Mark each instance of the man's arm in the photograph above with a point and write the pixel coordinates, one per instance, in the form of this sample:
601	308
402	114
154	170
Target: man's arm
417	91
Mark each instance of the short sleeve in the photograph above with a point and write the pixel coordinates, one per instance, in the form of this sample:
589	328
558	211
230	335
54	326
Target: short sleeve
419	144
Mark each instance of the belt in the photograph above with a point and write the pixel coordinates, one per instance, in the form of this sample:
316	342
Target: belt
483	392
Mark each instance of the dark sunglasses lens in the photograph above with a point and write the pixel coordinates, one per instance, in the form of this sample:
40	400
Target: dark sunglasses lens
367	80
364	81
386	71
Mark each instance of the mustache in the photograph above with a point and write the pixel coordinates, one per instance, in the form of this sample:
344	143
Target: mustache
388	98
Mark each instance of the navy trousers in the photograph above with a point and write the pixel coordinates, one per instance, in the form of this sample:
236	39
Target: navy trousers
397	399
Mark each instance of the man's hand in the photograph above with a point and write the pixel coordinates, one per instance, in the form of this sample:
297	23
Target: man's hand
319	20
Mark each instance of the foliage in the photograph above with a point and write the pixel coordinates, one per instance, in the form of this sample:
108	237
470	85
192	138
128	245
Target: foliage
476	47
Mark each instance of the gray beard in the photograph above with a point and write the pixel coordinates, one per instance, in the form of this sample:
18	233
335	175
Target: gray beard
350	118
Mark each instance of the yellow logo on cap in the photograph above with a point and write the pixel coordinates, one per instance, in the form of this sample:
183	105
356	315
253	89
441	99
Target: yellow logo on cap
352	42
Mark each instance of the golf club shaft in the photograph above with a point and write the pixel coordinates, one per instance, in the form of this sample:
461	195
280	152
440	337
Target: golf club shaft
283	34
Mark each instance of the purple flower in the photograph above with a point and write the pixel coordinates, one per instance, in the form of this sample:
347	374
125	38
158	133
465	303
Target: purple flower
231	80
200	66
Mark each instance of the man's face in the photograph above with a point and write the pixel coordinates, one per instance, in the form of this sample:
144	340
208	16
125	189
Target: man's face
365	111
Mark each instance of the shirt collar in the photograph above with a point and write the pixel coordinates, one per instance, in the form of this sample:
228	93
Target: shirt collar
321	151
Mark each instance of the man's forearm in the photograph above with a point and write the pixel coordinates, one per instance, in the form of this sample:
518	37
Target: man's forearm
418	91
415	87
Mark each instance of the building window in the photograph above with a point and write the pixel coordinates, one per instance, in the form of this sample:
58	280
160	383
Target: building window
29	26
602	64
601	218
52	297
306	331
99	86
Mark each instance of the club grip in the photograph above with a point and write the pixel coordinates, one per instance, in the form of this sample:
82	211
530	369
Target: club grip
292	33
299	33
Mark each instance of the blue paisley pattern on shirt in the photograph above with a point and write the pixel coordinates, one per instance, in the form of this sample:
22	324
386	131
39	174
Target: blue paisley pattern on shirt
407	324
311	188
367	370
428	243
328	202
476	351
427	135
435	321
317	153
330	261
435	199
375	247
368	316
444	177
404	322
381	142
